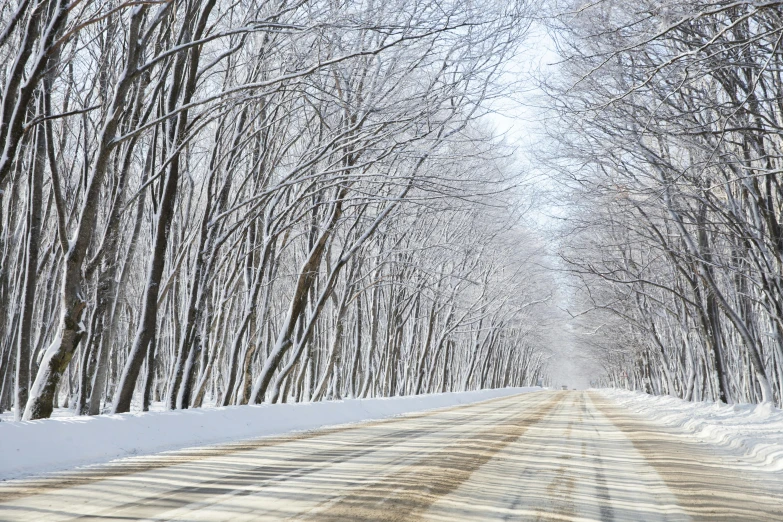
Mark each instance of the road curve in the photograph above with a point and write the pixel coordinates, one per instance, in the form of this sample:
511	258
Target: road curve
568	456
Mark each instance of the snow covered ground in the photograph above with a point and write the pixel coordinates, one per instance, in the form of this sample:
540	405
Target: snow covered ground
755	430
66	442
61	412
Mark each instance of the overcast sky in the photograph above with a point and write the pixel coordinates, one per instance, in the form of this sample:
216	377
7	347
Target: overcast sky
520	119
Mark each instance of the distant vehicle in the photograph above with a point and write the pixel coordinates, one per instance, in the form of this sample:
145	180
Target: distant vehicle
565	387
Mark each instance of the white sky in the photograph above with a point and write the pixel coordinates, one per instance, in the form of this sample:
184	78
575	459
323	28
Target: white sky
520	120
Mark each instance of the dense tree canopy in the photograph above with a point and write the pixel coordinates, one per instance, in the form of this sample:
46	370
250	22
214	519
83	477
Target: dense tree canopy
672	156
228	202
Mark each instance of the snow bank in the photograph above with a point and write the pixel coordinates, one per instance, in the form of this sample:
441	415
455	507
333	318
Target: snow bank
31	447
755	430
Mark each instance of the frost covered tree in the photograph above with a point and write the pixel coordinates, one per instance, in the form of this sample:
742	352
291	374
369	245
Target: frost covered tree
230	203
673	161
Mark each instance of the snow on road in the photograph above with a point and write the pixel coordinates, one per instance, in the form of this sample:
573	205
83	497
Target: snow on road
753	430
574	456
65	442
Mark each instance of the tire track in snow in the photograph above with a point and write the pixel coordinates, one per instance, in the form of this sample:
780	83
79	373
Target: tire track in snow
407	493
248	480
26	487
705	480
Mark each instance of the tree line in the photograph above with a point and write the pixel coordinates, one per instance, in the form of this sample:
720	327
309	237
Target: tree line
218	203
672	161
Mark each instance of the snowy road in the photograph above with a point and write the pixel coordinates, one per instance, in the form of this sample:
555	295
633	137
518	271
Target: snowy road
539	456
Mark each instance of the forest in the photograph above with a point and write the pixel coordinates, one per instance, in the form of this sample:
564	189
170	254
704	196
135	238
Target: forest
210	203
669	148
224	203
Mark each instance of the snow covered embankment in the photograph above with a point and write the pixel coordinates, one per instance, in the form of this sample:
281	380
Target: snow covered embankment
32	447
756	430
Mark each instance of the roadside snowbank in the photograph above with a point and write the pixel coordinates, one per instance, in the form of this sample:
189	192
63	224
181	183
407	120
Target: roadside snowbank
34	447
756	430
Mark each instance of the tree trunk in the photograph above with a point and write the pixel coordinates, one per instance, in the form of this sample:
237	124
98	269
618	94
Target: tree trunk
24	339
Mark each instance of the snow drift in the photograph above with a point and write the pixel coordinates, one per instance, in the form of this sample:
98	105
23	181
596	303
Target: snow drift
31	447
755	430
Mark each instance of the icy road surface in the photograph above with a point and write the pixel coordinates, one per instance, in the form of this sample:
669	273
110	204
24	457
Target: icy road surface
540	456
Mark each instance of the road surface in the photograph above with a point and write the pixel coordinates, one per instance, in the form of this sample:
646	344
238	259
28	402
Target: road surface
569	456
